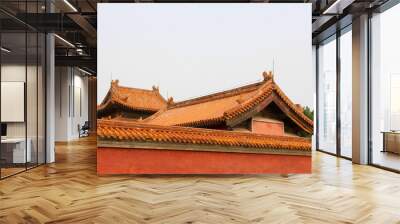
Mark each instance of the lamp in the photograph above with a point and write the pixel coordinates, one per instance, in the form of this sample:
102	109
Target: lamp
5	50
84	71
64	40
70	5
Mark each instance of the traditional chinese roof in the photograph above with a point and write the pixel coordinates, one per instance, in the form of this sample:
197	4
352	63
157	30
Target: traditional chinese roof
131	134
231	107
132	99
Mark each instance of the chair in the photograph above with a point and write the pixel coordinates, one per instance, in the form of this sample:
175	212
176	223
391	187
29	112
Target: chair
84	130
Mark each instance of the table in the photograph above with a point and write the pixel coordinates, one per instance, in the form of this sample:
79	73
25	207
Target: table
13	150
391	141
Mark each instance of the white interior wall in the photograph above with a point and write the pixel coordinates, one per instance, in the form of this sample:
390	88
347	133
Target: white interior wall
71	94
16	72
80	109
61	103
34	125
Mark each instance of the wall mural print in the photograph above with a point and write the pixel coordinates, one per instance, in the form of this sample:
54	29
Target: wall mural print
239	101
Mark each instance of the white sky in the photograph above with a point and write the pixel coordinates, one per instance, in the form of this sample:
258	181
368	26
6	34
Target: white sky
191	50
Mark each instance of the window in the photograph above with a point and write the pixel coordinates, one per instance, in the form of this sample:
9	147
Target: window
385	89
327	96
22	88
346	93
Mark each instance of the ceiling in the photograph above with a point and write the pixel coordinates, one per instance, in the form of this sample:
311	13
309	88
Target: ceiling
75	21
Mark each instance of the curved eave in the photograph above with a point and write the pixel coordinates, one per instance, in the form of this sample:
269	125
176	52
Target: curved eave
112	99
109	106
264	98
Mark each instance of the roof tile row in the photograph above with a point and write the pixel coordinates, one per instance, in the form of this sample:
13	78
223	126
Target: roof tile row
138	132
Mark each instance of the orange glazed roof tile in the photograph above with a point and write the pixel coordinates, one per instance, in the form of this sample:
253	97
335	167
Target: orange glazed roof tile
132	98
220	108
122	131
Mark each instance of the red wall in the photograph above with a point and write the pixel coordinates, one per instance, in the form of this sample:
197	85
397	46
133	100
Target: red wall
149	161
268	128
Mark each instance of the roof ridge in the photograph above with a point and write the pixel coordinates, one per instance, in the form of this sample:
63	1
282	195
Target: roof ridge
154	90
135	88
151	117
217	95
115	84
267	86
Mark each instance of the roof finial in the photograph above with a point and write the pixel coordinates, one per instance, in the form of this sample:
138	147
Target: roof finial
300	107
155	88
114	82
170	100
268	76
273	65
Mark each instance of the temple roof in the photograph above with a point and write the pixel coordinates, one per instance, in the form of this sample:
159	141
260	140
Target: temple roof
132	99
131	134
231	107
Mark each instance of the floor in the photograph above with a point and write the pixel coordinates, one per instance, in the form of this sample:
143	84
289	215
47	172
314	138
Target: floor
69	191
5	172
387	159
10	171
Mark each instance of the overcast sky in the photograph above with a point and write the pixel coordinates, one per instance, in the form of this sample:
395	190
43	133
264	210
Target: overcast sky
190	50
